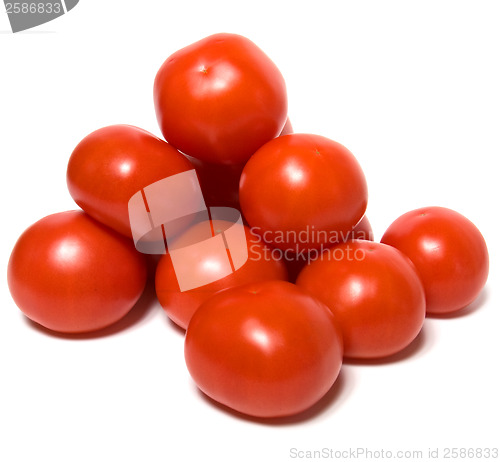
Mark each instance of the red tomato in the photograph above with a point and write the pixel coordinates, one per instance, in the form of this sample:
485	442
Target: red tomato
72	274
220	99
265	349
220	183
180	306
449	253
303	191
296	261
374	292
113	163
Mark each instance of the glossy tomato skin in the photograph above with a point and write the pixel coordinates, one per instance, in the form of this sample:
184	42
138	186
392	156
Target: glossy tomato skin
265	349
303	191
375	294
220	99
449	252
72	274
180	306
113	163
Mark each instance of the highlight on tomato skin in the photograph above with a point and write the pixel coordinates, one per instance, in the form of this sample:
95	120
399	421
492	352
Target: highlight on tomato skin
219	99
111	164
71	274
374	292
264	349
303	184
449	253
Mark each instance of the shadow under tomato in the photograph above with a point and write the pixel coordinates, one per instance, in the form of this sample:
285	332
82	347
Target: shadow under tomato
174	327
335	396
418	346
471	308
144	307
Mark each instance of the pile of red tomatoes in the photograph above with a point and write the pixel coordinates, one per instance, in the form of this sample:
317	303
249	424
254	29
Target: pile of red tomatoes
269	339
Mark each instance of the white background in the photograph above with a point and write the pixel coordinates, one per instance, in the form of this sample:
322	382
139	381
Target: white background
411	88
